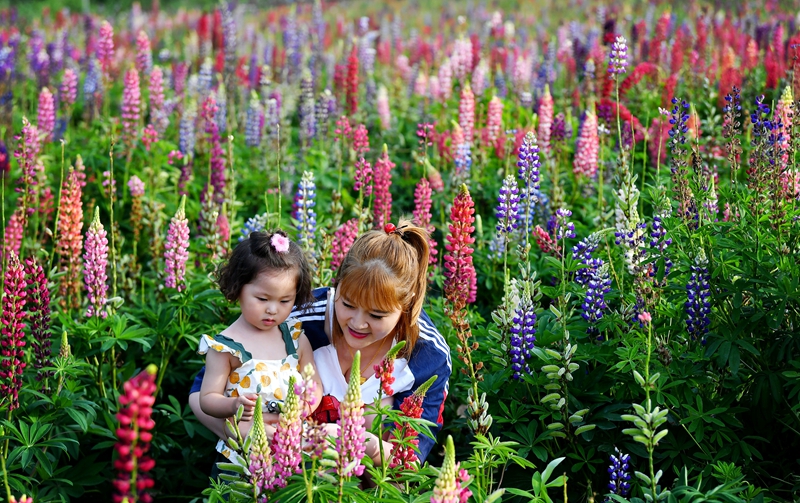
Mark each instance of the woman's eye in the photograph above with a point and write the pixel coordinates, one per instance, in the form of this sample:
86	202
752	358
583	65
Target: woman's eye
348	306
376	316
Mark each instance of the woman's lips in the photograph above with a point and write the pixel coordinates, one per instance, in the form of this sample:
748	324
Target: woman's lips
357	335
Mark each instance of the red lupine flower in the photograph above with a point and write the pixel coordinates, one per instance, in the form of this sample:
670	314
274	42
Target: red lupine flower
134	437
422	214
70	240
458	259
545	241
39	309
405	455
13	336
644	69
352	82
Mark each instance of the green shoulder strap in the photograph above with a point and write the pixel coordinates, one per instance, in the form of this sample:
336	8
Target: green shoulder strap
287	339
224	339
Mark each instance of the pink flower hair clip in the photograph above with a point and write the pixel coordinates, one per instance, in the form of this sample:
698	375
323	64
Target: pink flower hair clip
280	243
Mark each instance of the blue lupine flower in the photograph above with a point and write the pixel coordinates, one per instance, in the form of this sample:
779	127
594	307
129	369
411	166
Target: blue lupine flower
563	227
507	211
308	119
463	160
523	336
500	84
595	278
221	118
187	129
678	118
304	215
528	164
658	242
698	305
254	224
619	478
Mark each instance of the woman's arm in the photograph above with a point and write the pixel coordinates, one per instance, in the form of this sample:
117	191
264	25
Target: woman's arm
212	400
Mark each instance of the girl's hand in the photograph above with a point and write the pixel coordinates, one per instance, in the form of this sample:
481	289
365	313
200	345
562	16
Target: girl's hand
249	403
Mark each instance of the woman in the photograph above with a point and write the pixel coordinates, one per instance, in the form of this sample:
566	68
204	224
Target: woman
380	290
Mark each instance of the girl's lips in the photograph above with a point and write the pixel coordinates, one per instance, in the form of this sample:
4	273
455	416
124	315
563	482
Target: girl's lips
268	321
357	335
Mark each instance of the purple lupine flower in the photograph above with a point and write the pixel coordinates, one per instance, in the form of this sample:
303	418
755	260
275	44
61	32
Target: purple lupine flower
95	263
304	214
308	119
253	122
363	176
507	211
618	57
187	137
619	477
177	249
105	47
564	229
678	118
698	305
322	111
595	278
350	442
660	242
523	335
528	164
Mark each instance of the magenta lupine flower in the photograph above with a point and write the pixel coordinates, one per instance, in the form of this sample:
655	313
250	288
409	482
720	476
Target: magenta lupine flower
39	309
136	186
361	140
14	233
131	111
449	484
343	239
466	113
144	56
260	468
545	120
363	176
216	153
105	47
382	105
26	154
46	118
287	441
458	259
350	442
177	249
149	136
13	336
95	262
586	154
69	87
494	121
383	182
422	214
133	438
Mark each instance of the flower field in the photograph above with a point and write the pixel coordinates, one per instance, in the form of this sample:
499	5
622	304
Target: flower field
612	192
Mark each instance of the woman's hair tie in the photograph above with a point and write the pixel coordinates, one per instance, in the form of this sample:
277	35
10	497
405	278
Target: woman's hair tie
390	228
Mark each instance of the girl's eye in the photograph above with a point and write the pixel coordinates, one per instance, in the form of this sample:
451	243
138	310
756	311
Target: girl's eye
262	300
285	301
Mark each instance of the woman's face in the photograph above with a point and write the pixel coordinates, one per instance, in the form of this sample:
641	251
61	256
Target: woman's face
362	326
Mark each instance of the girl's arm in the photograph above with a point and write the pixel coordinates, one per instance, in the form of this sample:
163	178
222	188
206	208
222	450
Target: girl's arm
305	356
212	400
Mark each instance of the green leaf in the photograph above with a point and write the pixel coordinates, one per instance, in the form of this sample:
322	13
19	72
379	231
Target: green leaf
549	469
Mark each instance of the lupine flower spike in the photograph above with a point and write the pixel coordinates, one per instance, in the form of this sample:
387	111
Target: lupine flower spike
459	270
95	263
385	369
286	444
350	443
260	467
13	337
177	249
451	482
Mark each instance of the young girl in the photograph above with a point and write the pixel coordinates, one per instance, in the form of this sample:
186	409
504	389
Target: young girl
262	349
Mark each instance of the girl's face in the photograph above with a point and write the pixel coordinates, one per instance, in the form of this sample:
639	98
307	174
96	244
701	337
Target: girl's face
363	326
268	300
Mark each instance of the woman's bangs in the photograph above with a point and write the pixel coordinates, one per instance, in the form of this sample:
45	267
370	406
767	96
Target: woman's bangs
372	288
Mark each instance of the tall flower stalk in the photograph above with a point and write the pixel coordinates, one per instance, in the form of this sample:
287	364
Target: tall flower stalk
287	439
382	173
177	249
13	336
131	108
70	240
95	263
39	309
350	443
449	486
422	214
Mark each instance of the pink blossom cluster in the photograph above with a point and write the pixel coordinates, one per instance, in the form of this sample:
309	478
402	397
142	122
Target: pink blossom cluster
27	153
68	246
177	249
459	270
105	47
588	149
545	120
445	81
46	118
350	442
149	136
422	214
466	114
382	205
216	153
95	263
382	105
39	312
361	140
144	56
13	335
69	87
158	115
494	121
288	438
14	233
363	176
343	239
131	103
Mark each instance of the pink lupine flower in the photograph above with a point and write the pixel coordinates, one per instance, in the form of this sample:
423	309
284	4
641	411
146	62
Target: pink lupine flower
133	438
14	233
645	318
546	242
131	102
27	153
260	468
462	57
363	177
105	47
13	335
68	246
173	155
449	485
434	88
466	113
144	56
494	121
69	87
458	259
287	441
446	79
46	119
421	84
586	155
350	442
382	105
22	499
305	390
784	113
361	140
522	74
177	249
158	115
383	182
545	120
224	229
39	309
422	214
136	186
343	129
479	77
149	136
351	89
343	239
95	259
